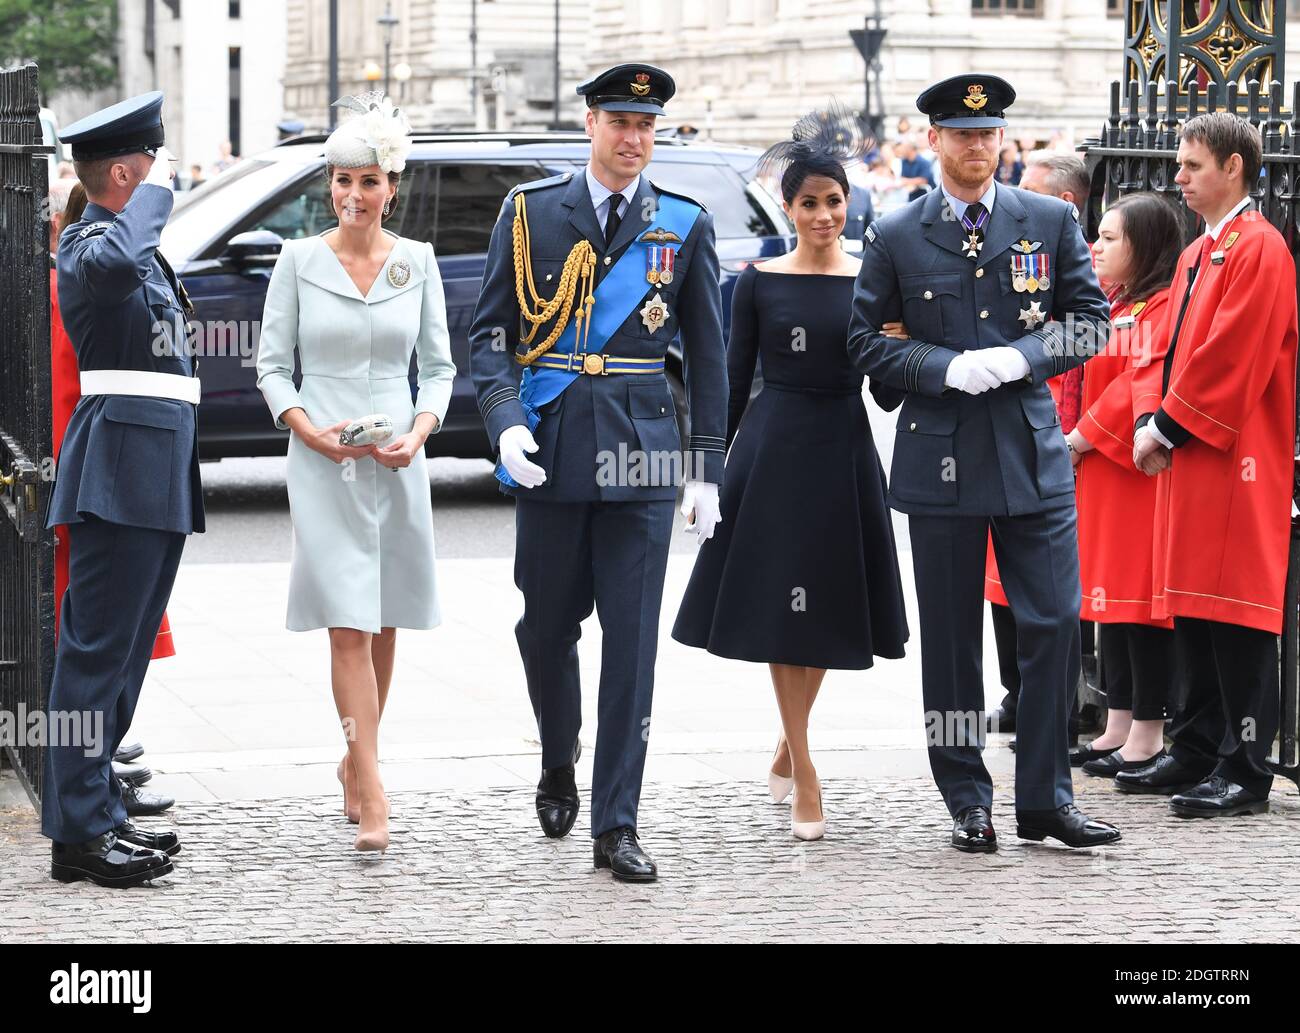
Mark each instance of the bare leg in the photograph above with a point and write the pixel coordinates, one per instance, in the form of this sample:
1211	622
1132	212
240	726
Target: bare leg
1118	723
356	695
812	684
792	700
1145	740
383	650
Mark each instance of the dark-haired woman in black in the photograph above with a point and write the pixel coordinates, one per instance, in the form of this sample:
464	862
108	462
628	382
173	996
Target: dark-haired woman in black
802	573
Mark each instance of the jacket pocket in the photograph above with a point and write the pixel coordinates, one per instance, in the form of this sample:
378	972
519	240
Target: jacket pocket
924	298
1053	473
924	469
144	412
653	416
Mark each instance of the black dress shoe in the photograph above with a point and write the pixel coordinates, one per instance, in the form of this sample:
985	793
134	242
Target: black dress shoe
134	774
1217	797
128	752
1162	777
1113	763
168	842
138	802
619	851
1068	824
972	830
107	861
1085	754
557	799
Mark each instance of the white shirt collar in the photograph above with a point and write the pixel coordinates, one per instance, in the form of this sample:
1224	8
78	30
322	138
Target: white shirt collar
1213	234
959	207
601	193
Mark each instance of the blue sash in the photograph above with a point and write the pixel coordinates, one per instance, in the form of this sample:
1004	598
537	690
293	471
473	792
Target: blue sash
617	295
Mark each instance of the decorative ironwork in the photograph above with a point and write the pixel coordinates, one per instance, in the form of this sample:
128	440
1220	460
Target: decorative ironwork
1234	41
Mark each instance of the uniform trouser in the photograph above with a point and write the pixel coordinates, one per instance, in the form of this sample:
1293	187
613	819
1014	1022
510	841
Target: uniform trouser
1230	716
1004	635
569	556
119	580
1038	556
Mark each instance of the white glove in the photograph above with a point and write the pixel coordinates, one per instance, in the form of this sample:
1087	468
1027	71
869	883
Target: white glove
512	445
968	372
1005	363
700	508
160	172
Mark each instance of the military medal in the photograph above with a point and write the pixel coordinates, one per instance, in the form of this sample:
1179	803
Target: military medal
1032	316
1018	274
669	259
974	244
399	273
1044	282
652	266
659	265
654	313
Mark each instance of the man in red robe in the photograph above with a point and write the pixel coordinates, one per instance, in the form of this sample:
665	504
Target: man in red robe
1221	442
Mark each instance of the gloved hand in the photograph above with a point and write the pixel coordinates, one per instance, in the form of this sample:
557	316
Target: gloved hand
160	172
968	372
512	445
700	508
1005	363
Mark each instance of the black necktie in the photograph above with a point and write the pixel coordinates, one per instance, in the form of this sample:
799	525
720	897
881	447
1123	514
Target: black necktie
612	219
974	218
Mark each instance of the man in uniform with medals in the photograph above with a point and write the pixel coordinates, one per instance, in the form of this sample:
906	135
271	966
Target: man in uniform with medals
589	277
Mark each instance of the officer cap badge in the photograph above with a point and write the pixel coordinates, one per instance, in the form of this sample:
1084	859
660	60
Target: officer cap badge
975	98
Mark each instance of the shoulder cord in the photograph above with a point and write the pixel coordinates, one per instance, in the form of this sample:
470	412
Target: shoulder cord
577	280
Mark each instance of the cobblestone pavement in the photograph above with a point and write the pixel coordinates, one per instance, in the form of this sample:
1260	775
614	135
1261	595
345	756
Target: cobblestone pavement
472	865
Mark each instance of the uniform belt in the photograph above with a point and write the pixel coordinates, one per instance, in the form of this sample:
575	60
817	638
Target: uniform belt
140	382
596	364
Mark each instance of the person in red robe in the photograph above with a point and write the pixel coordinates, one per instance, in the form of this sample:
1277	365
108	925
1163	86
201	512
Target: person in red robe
65	390
1137	248
1220	443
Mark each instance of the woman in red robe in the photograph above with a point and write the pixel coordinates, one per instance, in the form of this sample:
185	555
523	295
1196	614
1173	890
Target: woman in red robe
1137	247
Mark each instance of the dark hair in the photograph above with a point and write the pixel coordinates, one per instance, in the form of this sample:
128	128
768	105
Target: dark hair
76	205
1154	232
817	165
1225	135
394	180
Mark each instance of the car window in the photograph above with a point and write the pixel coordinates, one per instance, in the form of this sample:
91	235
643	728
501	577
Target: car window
202	216
469	197
721	190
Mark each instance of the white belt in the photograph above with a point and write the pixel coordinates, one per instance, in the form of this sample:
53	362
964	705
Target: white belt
140	382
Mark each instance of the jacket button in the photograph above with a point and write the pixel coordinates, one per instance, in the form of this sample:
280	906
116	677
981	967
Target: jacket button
912	427
661	408
984	314
979	274
607	259
928	295
548	277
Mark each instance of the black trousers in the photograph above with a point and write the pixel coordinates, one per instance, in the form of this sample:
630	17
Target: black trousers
119	580
1004	636
1232	675
1137	669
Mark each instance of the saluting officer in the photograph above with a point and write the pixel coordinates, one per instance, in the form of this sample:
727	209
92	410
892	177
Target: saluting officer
128	482
998	296
589	278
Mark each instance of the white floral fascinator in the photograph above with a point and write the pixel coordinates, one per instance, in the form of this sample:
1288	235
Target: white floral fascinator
376	134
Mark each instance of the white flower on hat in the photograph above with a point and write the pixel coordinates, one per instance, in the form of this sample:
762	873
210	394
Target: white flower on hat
378	134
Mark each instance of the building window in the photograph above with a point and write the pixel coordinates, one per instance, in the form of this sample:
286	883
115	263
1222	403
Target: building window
1019	8
1115	8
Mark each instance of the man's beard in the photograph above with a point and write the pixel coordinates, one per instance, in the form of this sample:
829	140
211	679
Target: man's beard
966	175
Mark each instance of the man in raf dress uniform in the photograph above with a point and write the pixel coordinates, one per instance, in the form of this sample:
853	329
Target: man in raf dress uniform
127	485
998	296
1221	442
609	268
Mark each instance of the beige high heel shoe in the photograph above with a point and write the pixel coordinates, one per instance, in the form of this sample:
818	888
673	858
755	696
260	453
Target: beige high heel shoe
778	785
351	810
376	838
808	831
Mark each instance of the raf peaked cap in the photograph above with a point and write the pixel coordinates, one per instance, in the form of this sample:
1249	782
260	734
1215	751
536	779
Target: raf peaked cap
968	102
125	128
642	89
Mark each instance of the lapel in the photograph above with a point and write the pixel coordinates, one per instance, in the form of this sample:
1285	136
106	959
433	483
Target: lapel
639	216
384	288
582	216
1005	226
323	268
942	227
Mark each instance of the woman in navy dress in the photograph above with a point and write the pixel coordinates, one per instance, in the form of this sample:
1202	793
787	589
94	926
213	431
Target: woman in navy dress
802	573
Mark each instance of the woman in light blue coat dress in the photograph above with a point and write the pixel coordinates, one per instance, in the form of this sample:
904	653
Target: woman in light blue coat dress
355	302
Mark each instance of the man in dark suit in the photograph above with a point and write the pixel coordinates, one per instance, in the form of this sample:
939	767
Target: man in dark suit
127	485
609	268
998	296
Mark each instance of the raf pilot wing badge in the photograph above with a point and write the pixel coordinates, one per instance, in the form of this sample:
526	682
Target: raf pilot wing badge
659	236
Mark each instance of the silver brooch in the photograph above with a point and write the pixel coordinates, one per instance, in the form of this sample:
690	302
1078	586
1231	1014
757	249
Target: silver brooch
399	273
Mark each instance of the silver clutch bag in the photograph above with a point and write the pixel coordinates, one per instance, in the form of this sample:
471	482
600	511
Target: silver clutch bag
374	429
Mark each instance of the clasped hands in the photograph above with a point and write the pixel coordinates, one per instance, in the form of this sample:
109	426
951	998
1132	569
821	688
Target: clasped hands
979	370
1149	455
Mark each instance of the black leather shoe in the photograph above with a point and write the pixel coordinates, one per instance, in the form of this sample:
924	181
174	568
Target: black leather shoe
138	802
1085	754
1003	718
1217	797
107	861
557	799
1068	824
972	830
1113	763
134	774
619	851
168	842
1162	777
128	752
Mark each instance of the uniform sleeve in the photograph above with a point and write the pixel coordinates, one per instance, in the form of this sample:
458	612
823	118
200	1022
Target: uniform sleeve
436	371
1080	323
1210	395
704	362
917	367
494	334
742	350
279	337
112	264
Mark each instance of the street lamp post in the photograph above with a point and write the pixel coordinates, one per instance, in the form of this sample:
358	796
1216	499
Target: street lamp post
388	21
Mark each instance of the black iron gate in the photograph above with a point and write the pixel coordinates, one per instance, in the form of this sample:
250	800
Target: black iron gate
26	548
1137	151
